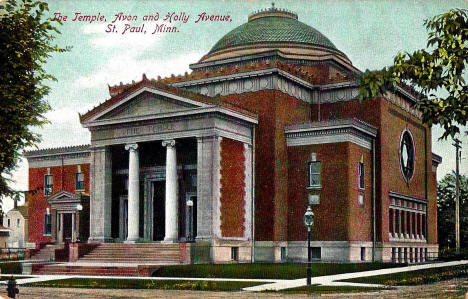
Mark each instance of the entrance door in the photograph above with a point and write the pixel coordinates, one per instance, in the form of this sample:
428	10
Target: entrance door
67	227
159	212
191	217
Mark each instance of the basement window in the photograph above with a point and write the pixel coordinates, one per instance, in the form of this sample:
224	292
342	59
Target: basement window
316	253
363	253
235	253
283	253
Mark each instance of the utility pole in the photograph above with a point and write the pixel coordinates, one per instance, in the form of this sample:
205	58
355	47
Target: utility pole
457	196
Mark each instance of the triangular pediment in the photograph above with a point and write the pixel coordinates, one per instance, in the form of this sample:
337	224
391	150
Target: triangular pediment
148	102
62	196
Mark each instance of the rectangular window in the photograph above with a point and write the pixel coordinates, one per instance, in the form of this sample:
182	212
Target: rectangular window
403	225
408	228
418	226
390	221
361	175
8	222
234	253
79	181
316	253
314	174
424	226
397	223
363	253
18	222
48	184
47	224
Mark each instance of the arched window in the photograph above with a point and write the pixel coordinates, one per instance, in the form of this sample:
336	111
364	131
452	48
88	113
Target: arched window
406	153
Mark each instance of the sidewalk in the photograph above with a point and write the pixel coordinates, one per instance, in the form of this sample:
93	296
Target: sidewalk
270	284
333	280
39	278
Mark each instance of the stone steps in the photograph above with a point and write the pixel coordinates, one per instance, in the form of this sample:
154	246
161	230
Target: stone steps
45	254
146	252
134	260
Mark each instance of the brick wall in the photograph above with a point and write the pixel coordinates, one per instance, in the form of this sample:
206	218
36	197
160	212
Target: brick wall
232	189
275	109
38	204
391	120
331	215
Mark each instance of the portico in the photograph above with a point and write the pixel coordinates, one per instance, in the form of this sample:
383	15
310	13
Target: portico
152	152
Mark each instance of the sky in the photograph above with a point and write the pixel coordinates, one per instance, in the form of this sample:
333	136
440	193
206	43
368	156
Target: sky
370	33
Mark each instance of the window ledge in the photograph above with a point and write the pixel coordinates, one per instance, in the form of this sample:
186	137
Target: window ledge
318	187
46	235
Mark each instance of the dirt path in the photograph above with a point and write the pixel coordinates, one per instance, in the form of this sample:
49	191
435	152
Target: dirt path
456	288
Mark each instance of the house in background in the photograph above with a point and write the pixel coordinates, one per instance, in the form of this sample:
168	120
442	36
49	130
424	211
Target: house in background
4	234
16	221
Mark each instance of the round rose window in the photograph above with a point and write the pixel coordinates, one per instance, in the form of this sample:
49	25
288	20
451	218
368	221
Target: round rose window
407	155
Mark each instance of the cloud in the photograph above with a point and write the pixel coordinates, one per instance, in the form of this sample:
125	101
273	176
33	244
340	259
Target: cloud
126	58
62	115
125	68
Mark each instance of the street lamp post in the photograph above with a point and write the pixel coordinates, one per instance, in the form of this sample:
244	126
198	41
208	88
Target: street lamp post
308	222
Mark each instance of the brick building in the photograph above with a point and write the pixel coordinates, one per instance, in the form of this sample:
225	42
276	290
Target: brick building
227	158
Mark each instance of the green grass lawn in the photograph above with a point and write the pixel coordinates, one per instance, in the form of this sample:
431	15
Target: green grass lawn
319	289
265	271
416	277
108	283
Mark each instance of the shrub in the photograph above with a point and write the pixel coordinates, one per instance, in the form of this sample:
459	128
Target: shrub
11	268
450	254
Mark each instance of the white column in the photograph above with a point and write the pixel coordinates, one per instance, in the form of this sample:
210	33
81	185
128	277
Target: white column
133	193
61	228
172	219
73	238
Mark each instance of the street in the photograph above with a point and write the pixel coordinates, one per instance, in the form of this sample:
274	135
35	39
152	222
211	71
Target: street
455	288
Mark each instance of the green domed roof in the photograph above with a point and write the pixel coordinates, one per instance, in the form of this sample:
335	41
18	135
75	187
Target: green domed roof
272	25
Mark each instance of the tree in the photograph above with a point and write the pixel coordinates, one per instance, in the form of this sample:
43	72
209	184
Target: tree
446	211
25	44
437	73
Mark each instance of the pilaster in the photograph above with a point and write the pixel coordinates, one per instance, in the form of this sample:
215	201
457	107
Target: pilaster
206	164
101	195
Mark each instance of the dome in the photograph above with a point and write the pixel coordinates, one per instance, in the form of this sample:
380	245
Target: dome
274	30
273	26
